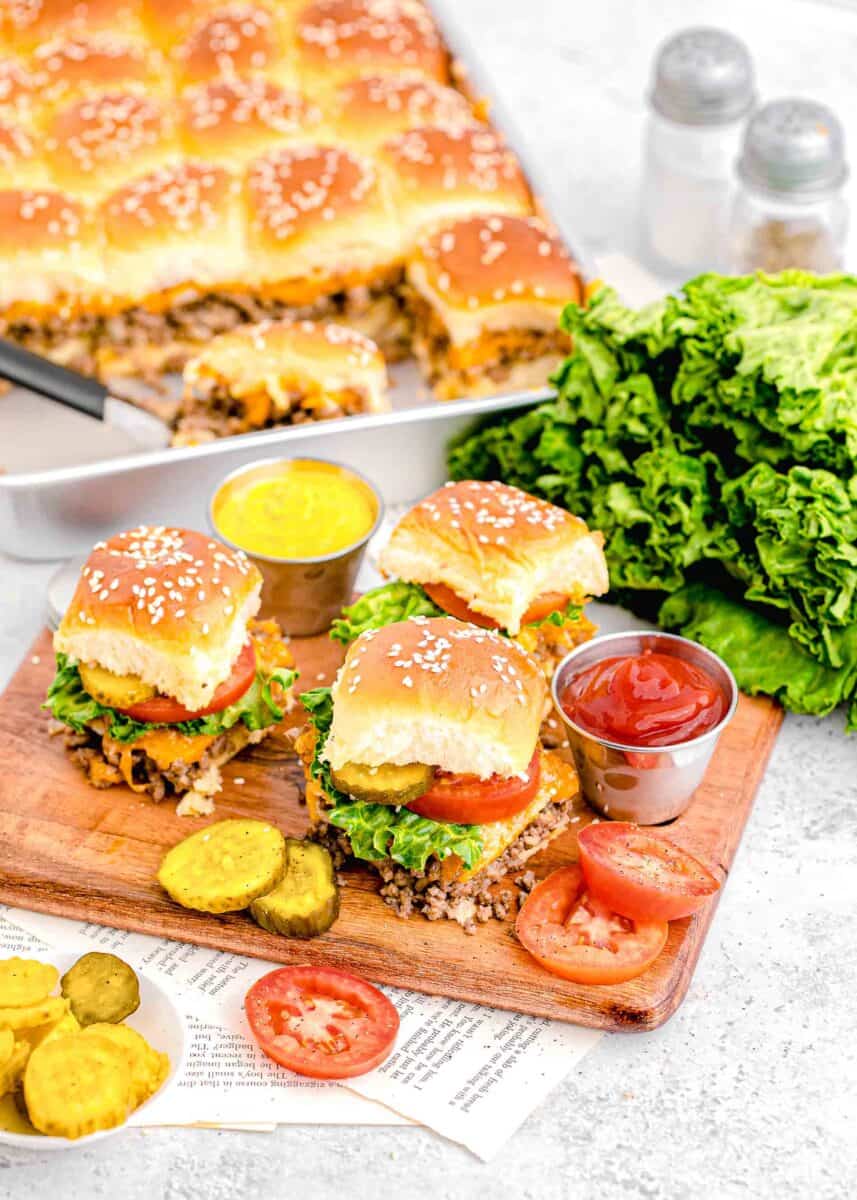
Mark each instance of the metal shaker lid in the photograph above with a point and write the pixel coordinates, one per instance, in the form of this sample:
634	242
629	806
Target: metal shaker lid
794	147
703	76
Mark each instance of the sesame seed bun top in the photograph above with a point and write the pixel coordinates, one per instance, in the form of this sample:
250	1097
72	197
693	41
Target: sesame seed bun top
341	39
439	692
72	66
233	120
371	110
166	604
498	548
494	258
238	39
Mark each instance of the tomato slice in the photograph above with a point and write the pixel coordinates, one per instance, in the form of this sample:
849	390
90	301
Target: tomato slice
445	598
164	710
575	935
321	1022
474	801
641	873
543	606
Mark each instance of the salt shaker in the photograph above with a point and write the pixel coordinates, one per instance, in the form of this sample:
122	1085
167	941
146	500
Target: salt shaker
702	92
790	210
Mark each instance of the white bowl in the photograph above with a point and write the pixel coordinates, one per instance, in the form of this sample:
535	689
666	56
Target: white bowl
161	1024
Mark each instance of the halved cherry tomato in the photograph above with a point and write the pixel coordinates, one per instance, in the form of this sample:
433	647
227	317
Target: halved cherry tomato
321	1022
641	873
473	801
163	710
445	598
579	937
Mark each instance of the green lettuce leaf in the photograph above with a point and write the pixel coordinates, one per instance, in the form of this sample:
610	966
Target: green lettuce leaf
384	605
380	831
70	703
760	653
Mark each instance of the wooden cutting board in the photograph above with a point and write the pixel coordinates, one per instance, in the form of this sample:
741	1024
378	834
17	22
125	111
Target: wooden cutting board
68	849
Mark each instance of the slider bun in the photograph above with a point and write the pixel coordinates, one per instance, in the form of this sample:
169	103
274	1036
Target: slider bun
99	142
236	39
439	174
371	110
342	39
168	22
179	226
498	548
281	357
77	66
51	251
438	692
318	216
231	121
495	272
168	605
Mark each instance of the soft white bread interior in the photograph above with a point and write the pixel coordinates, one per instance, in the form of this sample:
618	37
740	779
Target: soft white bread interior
440	692
498	548
170	606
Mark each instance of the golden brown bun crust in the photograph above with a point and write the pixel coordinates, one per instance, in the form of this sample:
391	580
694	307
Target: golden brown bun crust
73	66
440	691
18	86
20	163
371	110
169	584
295	190
40	219
230	120
30	22
490	259
346	38
180	200
98	142
439	174
237	39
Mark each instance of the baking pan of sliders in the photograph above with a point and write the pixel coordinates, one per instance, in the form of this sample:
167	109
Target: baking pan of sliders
250	175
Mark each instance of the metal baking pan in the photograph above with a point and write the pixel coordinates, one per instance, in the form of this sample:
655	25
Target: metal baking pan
66	481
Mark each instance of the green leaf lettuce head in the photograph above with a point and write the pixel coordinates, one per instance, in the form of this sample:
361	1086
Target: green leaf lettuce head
384	605
381	831
69	703
711	436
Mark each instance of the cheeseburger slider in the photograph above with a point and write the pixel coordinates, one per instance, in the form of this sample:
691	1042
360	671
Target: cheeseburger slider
486	294
163	675
424	759
496	557
280	373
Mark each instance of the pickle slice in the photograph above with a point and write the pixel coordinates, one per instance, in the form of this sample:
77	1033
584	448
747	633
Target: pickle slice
13	1068
114	691
386	784
147	1066
77	1085
225	866
101	987
25	981
305	902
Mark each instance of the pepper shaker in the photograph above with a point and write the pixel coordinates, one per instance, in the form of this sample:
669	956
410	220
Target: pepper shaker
790	210
702	92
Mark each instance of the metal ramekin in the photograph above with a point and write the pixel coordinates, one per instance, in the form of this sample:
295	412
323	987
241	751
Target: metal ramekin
304	594
644	784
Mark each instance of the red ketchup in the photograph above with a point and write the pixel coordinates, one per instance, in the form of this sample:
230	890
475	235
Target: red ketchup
648	699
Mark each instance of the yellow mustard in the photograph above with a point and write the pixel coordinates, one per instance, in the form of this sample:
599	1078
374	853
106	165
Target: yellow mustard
297	509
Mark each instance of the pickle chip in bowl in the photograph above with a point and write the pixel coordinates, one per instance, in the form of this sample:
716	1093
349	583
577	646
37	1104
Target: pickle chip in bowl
69	1078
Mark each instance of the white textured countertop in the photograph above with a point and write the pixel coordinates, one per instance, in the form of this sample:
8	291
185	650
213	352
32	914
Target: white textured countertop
751	1089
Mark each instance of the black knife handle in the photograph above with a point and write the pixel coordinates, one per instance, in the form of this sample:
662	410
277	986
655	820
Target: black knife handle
29	370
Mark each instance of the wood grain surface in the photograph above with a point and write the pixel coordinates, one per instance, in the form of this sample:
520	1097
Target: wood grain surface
68	849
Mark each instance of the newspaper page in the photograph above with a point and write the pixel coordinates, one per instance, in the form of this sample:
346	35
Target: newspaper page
470	1073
